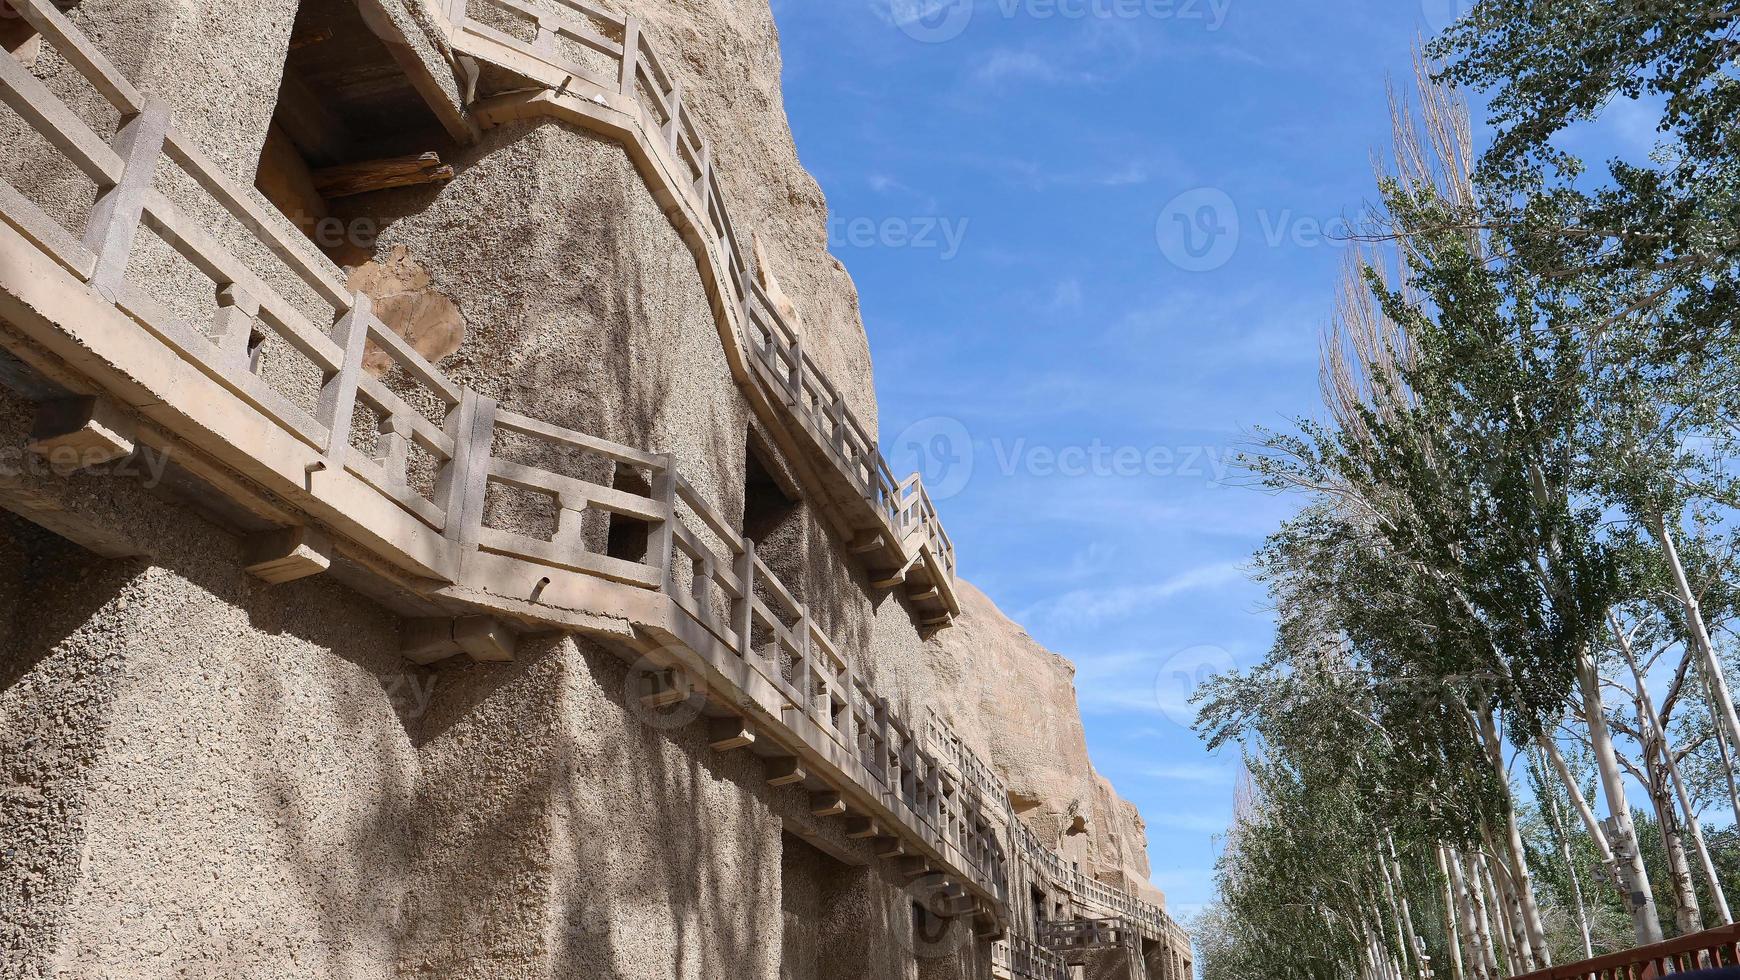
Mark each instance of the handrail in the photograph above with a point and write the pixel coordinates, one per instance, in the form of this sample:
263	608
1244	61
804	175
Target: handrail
932	783
694	557
1711	948
786	373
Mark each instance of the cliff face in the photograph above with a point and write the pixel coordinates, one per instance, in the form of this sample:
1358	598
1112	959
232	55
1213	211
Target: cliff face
727	53
1014	702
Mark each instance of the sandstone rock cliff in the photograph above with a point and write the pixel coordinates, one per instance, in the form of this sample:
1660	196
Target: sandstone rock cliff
1014	702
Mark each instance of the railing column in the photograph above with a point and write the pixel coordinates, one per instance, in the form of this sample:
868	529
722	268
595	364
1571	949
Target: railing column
114	219
338	394
465	478
743	610
795	373
661	544
237	328
674	125
630	57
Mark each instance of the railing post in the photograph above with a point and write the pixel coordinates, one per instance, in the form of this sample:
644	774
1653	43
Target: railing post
704	183
795	372
674	125
465	478
114	219
630	56
805	666
544	42
338	394
237	327
743	610
661	544
570	517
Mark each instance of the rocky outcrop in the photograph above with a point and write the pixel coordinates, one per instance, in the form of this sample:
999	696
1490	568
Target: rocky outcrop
1014	702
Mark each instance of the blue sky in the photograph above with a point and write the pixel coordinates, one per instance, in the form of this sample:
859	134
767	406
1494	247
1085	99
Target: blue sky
1095	245
1012	191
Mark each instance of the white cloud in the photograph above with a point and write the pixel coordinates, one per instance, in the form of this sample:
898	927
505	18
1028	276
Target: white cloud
1090	606
1202	773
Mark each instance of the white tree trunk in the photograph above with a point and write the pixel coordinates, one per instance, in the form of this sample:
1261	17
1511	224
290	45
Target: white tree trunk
1393	874
1658	731
1483	920
1558	821
1716	683
1534	930
1641	901
1456	923
1509	960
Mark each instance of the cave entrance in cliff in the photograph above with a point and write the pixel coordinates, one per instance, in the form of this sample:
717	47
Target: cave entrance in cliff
773	517
826	932
350	122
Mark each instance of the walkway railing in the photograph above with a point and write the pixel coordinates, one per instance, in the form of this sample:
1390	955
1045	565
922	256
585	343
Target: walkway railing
1716	947
1022	959
273	386
598	59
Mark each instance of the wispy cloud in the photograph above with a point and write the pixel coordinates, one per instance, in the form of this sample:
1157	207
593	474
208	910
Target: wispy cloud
1201	773
1091	606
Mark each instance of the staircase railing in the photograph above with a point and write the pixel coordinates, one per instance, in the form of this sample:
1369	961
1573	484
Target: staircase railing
592	53
287	339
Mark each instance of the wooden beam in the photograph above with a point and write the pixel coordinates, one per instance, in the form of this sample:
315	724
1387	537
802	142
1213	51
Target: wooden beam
77	433
288	554
889	847
862	828
913	867
785	772
827	805
725	734
348	179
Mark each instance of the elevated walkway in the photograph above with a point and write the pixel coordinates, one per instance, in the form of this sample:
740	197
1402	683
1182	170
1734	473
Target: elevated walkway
705	620
598	71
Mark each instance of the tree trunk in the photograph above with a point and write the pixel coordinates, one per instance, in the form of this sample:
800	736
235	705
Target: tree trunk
1656	729
1511	960
1641	901
1688	917
1534	930
1558	823
1457	928
1590	823
1489	939
1715	682
1393	870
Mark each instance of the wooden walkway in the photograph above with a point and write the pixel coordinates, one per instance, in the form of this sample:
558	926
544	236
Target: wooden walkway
624	92
700	613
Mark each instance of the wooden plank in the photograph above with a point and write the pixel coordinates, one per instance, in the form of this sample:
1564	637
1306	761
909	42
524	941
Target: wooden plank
525	425
63	129
79	52
337	402
351	179
44	232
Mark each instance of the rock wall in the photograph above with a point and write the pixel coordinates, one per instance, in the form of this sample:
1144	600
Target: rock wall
204	777
1014	702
